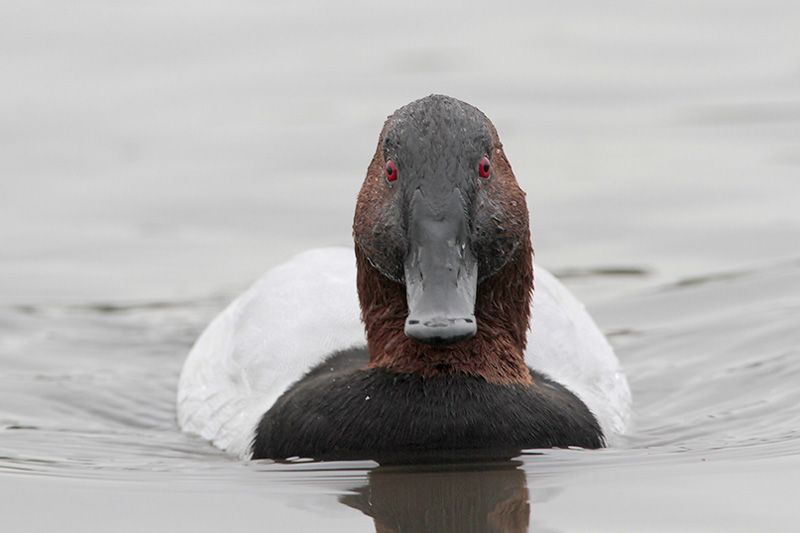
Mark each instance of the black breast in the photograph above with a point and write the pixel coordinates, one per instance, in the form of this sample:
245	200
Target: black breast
341	410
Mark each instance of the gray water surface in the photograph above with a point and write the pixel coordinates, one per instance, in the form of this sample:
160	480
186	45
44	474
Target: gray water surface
156	157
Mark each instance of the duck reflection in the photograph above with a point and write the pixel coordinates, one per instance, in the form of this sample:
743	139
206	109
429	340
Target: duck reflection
491	497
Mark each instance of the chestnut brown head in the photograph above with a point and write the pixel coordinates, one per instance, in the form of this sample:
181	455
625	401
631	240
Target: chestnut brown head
440	212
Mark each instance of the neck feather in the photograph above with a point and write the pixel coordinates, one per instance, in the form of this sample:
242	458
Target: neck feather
495	353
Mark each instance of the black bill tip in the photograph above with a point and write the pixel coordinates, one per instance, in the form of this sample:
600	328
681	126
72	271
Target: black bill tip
440	330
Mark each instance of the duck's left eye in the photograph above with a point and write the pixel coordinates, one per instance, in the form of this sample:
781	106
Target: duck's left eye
391	171
484	167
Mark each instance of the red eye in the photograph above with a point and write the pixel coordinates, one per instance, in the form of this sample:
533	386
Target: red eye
391	171
484	167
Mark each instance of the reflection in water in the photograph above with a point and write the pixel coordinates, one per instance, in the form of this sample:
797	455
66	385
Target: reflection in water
463	498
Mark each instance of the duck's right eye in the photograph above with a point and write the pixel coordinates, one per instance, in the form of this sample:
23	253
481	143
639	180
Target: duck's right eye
484	167
391	171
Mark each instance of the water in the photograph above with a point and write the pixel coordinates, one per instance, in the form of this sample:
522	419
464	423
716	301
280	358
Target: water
157	157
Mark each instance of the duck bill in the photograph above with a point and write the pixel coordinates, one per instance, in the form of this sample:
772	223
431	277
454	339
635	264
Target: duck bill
441	273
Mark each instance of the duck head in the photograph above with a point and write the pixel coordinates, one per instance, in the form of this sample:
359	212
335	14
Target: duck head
443	247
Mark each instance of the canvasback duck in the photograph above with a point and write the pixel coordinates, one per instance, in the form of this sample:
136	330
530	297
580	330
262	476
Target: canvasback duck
415	340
